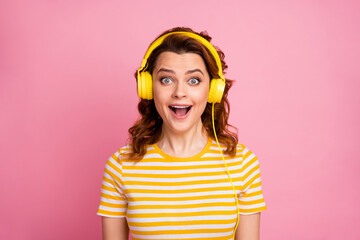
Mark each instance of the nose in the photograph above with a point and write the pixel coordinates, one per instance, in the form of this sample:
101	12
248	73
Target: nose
179	90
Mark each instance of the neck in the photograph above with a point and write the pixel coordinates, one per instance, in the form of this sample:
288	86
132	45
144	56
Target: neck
183	144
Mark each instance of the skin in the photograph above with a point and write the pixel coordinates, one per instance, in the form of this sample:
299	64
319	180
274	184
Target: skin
249	227
114	228
181	79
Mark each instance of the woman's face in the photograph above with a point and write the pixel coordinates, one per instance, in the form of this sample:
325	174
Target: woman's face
181	86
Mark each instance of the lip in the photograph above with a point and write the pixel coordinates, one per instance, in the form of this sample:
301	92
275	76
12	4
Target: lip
180	105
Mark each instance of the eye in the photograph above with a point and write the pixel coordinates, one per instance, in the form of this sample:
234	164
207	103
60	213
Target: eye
165	80
194	81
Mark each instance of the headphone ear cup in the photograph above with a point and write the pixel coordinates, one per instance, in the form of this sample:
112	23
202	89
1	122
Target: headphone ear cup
216	92
145	85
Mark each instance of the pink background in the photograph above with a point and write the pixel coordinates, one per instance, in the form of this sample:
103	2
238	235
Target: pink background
68	96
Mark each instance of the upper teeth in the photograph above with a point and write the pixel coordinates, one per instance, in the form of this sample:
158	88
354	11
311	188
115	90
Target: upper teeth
180	106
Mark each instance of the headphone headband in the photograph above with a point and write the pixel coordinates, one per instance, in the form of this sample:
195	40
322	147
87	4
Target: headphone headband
195	36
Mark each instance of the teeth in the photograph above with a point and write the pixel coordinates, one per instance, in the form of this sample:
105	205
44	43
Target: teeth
180	106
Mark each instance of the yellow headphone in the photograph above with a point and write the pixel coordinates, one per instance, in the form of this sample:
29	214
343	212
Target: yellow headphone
144	78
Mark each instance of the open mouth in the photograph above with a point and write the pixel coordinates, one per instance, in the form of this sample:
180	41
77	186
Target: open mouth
180	110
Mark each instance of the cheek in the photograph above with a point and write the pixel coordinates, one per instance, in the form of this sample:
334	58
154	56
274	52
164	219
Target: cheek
201	99
202	94
157	102
160	100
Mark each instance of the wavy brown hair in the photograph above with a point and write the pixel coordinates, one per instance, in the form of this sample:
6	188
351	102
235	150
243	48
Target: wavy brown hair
147	129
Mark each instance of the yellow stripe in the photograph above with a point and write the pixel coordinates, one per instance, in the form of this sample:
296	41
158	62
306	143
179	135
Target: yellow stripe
108	188
251	172
111	197
249	163
251	180
255	185
175	191
253	210
115	157
183	231
111	165
157	175
181	214
199	182
191	167
110	213
247	154
252	194
251	202
113	205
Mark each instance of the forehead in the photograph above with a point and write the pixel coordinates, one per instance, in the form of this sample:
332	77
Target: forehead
183	61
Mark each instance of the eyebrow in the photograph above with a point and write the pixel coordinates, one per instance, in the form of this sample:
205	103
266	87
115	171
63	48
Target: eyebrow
172	71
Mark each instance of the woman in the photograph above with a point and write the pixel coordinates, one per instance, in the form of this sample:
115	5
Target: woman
174	180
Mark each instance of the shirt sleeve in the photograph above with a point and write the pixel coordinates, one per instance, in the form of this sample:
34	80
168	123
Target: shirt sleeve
251	198
113	202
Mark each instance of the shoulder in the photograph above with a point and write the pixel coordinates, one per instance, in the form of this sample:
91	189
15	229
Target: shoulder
245	153
117	157
241	148
124	153
249	160
121	152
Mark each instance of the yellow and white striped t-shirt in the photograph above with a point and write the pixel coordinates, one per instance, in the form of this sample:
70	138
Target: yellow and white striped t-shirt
165	197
